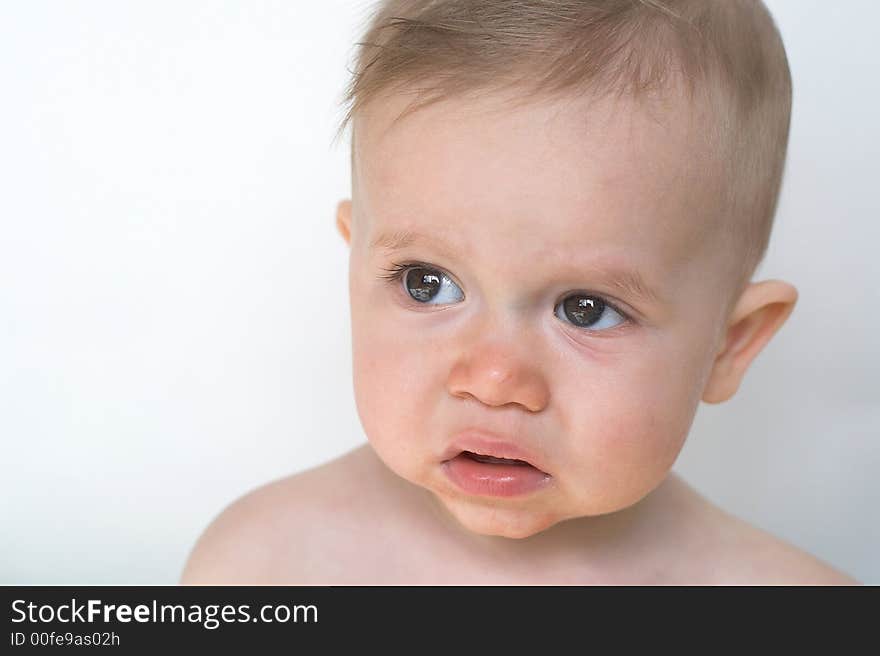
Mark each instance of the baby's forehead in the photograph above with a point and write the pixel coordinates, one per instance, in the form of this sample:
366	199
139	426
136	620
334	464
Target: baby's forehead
657	146
668	116
560	162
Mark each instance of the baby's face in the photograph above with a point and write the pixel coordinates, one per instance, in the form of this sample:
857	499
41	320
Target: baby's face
531	284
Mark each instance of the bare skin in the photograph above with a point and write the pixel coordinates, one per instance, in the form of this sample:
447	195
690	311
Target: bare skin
515	210
325	526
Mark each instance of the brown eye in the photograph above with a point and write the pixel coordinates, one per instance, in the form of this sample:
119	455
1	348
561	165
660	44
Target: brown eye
421	283
584	311
425	284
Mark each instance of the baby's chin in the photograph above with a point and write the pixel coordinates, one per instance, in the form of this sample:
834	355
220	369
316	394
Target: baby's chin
509	522
507	518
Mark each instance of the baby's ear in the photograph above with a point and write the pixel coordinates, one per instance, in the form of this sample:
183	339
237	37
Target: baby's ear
343	219
761	310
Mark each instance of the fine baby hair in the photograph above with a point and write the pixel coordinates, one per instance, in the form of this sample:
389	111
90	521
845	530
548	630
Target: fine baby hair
727	55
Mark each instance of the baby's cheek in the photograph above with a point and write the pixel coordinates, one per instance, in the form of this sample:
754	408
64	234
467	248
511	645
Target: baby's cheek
387	398
627	449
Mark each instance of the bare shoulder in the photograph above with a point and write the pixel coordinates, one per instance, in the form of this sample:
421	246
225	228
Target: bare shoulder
757	557
738	553
280	531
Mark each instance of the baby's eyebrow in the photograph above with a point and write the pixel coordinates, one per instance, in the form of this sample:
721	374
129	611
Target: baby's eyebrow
628	281
399	239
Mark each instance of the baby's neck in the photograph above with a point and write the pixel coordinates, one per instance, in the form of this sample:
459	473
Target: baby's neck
638	544
610	547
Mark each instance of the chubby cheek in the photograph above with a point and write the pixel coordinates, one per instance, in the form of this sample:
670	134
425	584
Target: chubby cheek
627	434
392	387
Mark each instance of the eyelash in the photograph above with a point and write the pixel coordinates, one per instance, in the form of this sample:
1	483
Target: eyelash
397	270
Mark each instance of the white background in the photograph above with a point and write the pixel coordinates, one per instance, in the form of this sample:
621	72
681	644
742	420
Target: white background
174	322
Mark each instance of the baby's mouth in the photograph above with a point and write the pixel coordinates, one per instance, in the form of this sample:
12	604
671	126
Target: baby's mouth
480	474
492	460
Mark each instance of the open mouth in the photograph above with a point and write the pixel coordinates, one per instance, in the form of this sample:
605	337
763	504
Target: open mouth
485	475
492	460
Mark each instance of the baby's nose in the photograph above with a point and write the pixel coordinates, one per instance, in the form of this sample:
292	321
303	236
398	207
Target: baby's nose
497	372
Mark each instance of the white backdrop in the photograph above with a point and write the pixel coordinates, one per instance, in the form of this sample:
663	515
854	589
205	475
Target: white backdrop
174	323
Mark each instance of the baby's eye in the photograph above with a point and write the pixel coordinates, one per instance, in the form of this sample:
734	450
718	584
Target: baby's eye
425	284
585	310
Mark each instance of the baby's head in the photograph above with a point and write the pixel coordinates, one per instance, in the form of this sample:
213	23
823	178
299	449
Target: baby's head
557	209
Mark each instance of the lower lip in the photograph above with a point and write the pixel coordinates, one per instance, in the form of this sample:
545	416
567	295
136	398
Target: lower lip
494	480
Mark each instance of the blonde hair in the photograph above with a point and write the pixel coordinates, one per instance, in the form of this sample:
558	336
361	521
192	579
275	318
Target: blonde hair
727	52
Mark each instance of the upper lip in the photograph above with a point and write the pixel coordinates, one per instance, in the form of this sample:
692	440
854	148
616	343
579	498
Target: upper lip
487	443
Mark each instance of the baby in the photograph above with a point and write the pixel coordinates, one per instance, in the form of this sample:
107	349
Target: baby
556	211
